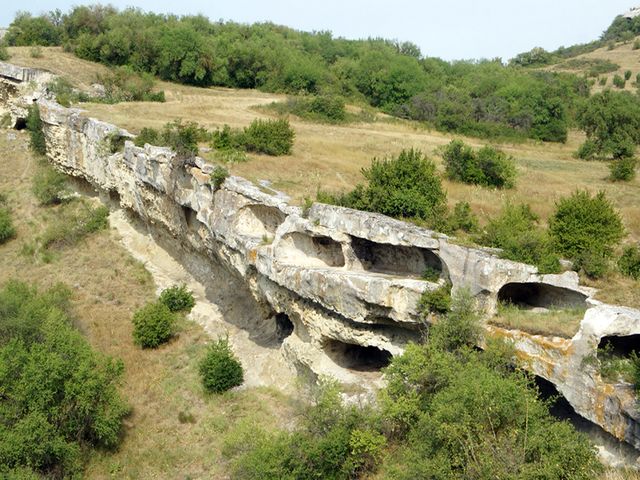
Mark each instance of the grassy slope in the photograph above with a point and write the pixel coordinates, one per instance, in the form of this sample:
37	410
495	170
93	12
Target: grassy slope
108	286
623	55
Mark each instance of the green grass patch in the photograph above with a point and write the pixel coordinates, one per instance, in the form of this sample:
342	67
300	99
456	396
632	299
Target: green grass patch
558	322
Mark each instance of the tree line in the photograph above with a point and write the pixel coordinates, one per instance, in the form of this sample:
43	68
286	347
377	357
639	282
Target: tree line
482	98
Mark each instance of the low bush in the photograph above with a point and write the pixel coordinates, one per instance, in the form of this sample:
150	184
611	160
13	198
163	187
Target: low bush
7	230
34	125
462	324
177	298
147	135
406	186
35	52
462	218
602	81
183	138
4	53
623	169
218	176
123	84
487	166
272	137
517	233
627	74
220	370
435	301
319	108
73	224
618	81
153	325
49	186
586	229
629	262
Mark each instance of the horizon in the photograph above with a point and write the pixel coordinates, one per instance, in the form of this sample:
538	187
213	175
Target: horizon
447	34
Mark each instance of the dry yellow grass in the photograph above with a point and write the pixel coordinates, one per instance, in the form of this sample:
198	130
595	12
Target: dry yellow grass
175	430
623	55
555	322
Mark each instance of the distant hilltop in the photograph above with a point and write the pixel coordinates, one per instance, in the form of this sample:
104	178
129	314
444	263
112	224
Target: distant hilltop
633	13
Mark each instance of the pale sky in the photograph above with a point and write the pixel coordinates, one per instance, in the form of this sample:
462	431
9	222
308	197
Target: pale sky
462	29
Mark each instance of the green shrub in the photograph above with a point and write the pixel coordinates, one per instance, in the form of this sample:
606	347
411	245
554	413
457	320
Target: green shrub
220	370
460	327
272	137
49	186
60	398
406	186
462	218
227	139
153	325
183	138
147	135
517	233
586	229
4	53
623	169
435	301
629	262
488	166
636	44
34	125
177	298
602	81
218	176
7	230
618	81
321	108
124	84
74	223
627	74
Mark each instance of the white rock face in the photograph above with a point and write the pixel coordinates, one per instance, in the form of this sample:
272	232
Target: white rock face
342	284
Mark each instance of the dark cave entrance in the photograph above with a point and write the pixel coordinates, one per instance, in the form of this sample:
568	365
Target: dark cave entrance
284	326
541	295
357	357
21	124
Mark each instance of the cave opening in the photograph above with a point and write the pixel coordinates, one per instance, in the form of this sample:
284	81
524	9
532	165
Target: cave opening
619	358
357	357
311	251
21	124
259	220
397	259
284	326
540	295
190	218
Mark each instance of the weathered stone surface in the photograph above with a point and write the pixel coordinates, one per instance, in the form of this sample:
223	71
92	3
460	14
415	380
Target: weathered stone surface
343	278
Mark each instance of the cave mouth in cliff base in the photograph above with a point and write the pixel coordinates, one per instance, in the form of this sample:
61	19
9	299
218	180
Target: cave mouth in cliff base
21	124
190	218
396	259
310	251
284	326
540	295
615	354
357	357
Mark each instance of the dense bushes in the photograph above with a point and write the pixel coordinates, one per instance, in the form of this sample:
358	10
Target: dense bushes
586	229
220	370
153	325
629	262
34	125
59	397
480	98
177	298
448	411
517	233
623	169
406	186
488	166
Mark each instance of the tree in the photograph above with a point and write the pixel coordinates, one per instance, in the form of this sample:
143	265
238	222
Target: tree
611	121
220	370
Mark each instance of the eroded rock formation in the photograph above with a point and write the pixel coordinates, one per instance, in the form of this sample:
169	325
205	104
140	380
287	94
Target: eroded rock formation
340	285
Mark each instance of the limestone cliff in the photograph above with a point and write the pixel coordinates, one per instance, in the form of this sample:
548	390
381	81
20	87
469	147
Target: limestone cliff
340	285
